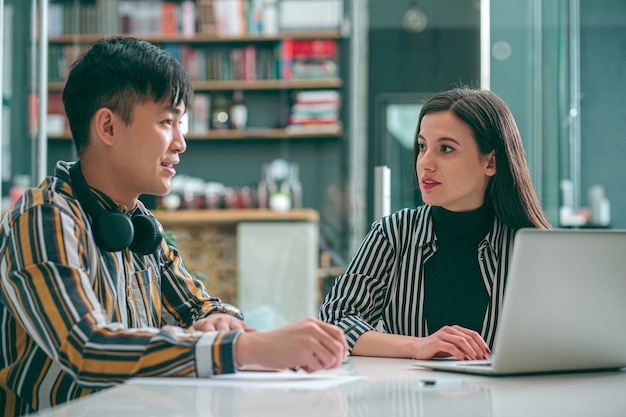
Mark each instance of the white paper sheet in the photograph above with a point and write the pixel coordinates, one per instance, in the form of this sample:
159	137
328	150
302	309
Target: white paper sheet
266	380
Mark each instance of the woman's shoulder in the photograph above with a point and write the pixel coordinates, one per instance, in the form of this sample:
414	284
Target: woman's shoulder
403	221
409	215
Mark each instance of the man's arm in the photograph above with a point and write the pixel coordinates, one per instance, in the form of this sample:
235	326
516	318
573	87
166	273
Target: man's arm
46	287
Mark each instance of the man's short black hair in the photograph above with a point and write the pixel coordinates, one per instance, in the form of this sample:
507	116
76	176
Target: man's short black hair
119	73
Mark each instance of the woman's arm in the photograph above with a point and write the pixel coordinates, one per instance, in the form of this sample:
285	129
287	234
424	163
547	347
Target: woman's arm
454	341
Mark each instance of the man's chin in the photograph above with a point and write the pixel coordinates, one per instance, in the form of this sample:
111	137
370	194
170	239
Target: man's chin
159	192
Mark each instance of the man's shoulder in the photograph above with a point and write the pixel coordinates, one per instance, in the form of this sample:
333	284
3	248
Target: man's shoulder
52	193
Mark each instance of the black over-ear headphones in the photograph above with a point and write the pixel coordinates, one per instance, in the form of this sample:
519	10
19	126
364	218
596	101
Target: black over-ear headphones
113	229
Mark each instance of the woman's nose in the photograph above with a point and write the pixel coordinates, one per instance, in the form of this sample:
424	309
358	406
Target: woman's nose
425	161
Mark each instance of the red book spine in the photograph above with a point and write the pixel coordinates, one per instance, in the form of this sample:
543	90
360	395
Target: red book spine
286	58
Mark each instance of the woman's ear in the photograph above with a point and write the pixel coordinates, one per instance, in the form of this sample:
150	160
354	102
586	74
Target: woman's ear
491	164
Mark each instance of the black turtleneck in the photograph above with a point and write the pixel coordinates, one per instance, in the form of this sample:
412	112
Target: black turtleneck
454	289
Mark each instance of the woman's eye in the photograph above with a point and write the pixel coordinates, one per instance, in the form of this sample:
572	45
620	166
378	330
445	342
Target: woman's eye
421	147
446	148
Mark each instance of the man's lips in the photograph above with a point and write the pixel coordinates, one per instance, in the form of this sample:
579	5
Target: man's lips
169	166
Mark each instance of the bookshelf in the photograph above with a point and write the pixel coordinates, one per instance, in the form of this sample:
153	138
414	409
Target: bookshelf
235	157
225	54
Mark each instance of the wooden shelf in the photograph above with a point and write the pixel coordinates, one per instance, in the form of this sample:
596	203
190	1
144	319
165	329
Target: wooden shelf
223	85
250	134
186	217
268	84
268	134
85	38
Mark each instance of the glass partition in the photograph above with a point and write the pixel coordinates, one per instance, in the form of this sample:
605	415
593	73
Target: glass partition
24	96
528	71
560	67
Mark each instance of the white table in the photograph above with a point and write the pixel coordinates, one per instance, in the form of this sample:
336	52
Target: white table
392	387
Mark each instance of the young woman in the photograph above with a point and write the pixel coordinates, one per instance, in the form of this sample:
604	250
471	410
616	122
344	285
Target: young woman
431	279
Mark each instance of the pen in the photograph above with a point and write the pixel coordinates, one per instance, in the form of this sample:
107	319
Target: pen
445	383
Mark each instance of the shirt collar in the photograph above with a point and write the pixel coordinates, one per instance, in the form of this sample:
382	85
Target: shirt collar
493	240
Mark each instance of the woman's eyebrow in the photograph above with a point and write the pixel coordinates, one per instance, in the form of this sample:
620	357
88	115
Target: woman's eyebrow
441	139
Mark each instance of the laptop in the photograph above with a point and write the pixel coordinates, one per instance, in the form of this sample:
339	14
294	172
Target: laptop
564	306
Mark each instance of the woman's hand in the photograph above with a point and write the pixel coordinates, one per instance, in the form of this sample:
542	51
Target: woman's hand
454	341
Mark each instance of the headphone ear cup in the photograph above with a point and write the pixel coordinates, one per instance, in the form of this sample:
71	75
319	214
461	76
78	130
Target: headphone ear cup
113	231
148	234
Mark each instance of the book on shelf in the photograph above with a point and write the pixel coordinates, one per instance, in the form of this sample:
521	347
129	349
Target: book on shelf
317	69
317	96
56	122
230	17
255	17
60	57
140	17
200	113
307	15
314	129
188	18
55	19
315	109
314	59
206	23
189	58
285	58
225	18
308	58
169	18
247	63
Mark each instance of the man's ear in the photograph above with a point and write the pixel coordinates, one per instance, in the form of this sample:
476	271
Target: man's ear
103	123
491	164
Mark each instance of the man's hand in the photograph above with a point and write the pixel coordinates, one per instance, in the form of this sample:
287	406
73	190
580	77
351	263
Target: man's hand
308	344
221	322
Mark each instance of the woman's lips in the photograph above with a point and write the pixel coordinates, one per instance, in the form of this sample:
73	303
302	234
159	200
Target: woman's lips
429	183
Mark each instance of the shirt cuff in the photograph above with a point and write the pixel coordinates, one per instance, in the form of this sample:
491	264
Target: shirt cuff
215	353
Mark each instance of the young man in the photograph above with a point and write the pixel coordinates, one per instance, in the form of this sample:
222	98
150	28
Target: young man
90	293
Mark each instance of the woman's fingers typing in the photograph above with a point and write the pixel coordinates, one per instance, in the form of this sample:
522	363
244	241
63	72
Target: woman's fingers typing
456	341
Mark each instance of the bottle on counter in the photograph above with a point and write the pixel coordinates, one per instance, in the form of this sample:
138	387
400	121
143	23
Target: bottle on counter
238	111
266	187
220	117
295	186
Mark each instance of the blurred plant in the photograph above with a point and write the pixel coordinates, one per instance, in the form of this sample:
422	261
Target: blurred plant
171	240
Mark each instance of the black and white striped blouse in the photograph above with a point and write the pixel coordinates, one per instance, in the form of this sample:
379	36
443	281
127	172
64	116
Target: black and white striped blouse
384	282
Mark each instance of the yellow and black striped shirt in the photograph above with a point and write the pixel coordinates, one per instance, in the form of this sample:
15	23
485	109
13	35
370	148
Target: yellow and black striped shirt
75	319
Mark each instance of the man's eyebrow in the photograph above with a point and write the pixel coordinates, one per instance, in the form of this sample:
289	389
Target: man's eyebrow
171	109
